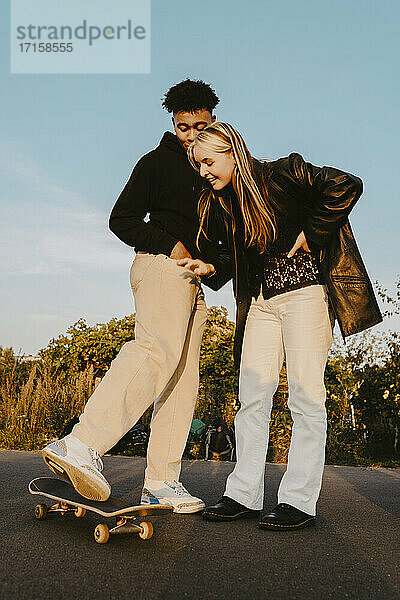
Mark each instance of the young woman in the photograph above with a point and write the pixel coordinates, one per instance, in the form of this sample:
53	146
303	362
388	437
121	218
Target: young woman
296	268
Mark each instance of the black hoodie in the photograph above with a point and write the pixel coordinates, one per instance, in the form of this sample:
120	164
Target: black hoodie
165	185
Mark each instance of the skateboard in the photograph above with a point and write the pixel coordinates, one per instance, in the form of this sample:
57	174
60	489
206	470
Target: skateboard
128	517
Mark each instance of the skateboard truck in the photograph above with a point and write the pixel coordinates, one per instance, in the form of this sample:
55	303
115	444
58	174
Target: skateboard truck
124	525
42	510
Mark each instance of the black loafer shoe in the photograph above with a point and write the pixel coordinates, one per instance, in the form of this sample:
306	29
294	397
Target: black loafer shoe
227	510
285	517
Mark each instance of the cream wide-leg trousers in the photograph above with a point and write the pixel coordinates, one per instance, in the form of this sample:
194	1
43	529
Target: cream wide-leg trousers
160	366
296	324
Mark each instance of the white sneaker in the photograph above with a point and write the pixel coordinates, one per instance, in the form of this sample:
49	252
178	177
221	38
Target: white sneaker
172	493
79	465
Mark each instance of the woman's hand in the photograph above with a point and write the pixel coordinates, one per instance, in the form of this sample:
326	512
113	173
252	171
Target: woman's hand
301	242
197	266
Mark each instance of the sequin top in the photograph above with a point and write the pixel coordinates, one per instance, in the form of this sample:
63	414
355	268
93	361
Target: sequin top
278	273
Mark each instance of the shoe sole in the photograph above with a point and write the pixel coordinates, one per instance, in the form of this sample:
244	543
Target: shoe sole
214	517
188	511
91	490
185	510
276	527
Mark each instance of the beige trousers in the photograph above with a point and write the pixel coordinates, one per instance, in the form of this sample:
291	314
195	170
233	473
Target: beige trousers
160	366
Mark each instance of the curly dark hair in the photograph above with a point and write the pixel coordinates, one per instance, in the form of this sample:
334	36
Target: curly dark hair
190	96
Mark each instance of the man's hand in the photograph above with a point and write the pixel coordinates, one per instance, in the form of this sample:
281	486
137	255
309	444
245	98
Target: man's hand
197	266
179	251
301	242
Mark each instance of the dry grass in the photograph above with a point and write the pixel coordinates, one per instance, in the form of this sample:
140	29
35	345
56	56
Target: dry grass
38	410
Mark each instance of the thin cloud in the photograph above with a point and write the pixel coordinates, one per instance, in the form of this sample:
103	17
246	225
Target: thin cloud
50	229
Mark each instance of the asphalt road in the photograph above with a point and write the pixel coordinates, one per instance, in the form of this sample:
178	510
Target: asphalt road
353	552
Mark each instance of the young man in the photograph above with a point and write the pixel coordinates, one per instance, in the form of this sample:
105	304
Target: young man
161	365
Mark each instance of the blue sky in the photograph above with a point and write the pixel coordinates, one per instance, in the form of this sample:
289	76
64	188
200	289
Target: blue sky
316	77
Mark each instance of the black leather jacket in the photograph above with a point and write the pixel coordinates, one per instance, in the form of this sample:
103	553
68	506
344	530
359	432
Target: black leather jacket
320	200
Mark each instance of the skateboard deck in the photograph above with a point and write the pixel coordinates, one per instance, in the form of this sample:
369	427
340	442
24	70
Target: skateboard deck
68	500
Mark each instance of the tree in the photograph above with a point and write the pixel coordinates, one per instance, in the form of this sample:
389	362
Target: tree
363	392
378	401
218	380
83	346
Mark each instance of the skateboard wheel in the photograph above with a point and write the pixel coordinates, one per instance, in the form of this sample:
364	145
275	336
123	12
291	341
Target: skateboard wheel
101	533
41	511
80	512
147	530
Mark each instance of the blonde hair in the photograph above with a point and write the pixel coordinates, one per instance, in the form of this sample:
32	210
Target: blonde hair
258	216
